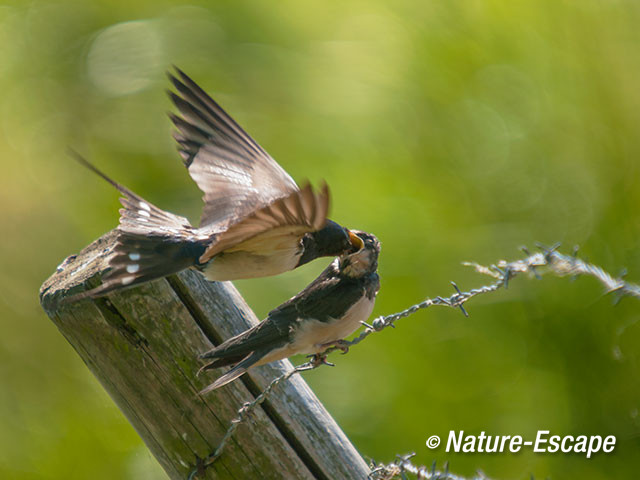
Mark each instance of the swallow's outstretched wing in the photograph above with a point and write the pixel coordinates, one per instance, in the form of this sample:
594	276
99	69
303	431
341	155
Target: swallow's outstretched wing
237	176
298	213
246	192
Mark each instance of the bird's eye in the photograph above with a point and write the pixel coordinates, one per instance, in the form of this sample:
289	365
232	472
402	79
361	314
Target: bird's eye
356	241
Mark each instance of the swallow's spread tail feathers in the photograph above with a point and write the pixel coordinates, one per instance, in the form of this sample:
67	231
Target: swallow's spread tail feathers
138	259
138	215
151	243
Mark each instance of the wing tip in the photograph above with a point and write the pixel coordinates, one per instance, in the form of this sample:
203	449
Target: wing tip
174	72
323	199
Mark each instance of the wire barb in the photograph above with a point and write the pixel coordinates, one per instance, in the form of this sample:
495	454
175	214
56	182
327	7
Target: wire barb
242	414
403	465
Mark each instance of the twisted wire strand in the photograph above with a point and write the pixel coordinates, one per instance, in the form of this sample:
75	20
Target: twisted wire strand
243	413
403	465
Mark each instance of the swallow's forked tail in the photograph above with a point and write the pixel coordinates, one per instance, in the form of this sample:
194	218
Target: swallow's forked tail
239	369
151	243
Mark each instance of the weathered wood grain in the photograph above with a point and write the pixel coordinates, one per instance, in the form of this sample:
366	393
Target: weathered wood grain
142	345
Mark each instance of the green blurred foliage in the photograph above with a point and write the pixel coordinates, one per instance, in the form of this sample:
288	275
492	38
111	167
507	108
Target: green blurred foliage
453	130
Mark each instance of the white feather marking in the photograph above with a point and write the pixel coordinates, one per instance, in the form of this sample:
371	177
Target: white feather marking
144	206
133	268
144	213
134	257
128	280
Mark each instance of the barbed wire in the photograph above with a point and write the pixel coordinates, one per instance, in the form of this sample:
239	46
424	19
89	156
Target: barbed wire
561	265
549	259
243	412
403	465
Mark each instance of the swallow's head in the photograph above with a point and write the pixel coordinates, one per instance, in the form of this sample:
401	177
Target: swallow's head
332	240
364	260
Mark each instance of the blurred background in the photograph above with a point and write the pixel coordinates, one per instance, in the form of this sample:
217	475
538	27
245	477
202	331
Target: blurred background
453	130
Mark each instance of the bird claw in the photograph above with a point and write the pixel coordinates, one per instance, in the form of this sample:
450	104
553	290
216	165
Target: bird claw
341	345
319	359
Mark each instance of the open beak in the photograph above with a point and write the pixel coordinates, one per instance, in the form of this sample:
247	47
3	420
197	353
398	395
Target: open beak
356	241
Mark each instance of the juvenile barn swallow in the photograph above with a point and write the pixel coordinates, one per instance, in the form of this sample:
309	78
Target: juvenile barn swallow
256	222
329	309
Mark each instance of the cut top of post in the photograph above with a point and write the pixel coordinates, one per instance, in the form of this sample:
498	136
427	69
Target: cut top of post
142	344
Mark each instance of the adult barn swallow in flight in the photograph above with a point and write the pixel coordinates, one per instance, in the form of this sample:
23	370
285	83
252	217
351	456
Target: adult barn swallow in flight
256	222
324	313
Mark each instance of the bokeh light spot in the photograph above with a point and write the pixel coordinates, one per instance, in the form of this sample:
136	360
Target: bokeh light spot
125	58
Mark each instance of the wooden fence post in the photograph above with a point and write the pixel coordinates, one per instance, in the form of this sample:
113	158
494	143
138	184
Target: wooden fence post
142	345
